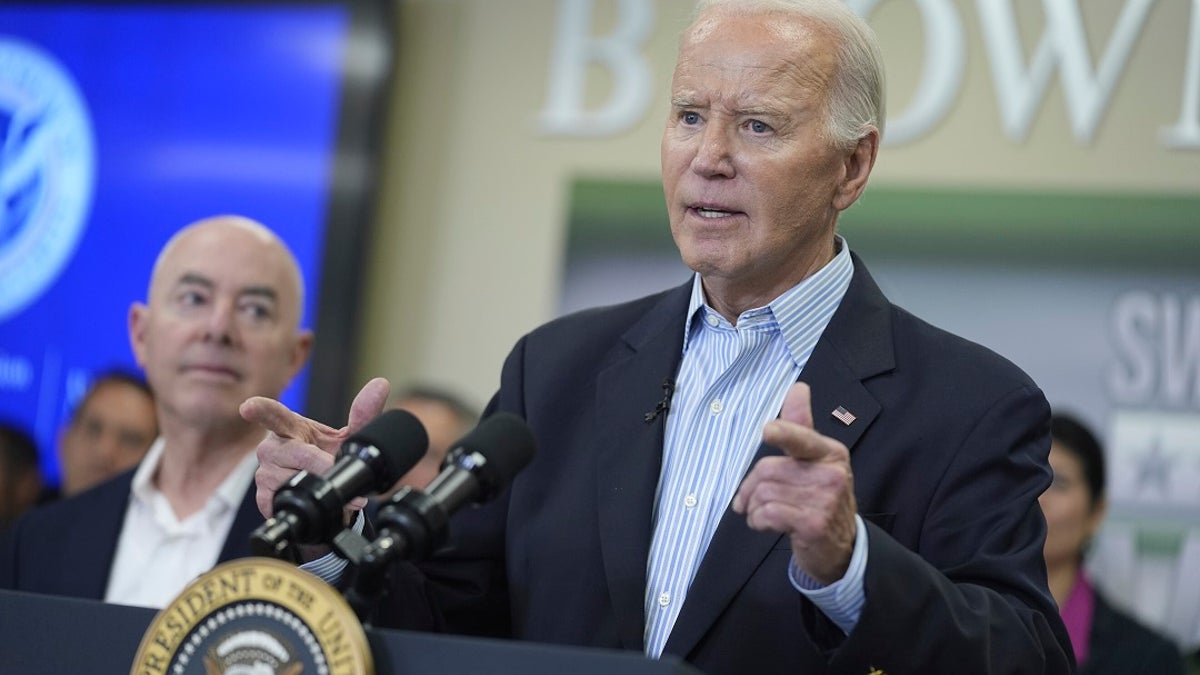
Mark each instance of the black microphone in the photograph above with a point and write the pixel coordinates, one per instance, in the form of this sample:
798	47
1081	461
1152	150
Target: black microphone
308	508
414	523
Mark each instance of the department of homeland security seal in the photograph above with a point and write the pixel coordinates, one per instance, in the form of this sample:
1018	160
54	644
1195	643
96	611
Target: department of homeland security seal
255	616
47	171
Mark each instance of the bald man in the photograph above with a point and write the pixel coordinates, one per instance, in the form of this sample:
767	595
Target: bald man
221	323
20	478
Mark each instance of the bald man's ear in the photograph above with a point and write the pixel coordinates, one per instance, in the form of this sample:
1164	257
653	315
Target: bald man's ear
857	165
137	331
301	350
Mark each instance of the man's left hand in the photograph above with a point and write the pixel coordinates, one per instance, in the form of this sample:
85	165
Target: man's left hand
808	493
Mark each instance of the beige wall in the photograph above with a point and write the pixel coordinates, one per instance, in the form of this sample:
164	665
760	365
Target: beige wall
470	230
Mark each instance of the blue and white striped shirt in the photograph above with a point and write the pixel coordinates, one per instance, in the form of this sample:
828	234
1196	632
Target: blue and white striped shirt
731	382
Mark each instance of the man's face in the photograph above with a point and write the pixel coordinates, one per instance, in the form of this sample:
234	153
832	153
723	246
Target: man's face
220	325
443	427
110	433
1071	516
20	485
750	178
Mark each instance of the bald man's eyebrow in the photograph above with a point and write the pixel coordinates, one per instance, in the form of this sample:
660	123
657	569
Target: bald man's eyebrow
260	291
193	279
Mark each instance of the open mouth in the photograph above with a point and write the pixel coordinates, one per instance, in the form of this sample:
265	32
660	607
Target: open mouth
713	213
216	372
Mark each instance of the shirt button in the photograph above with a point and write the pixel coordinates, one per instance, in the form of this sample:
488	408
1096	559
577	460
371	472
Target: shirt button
712	320
689	501
716	406
664	599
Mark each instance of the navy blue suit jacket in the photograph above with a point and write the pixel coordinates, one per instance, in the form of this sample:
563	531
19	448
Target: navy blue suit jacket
949	456
67	547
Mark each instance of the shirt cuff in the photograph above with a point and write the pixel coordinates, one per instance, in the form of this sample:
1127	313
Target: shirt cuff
330	567
843	600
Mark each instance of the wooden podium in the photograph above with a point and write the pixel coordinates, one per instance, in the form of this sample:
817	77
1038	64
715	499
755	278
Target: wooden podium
42	634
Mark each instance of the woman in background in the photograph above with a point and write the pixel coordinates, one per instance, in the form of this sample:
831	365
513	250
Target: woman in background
1106	640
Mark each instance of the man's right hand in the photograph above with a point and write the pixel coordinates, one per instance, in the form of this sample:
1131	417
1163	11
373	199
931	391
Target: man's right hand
295	443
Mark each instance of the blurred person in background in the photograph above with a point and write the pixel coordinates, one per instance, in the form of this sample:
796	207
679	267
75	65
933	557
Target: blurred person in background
20	478
1106	640
109	433
446	418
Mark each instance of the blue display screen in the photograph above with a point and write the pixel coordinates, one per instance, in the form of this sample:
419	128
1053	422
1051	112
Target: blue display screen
119	124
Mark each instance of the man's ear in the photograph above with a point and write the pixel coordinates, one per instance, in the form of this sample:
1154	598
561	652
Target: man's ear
857	165
301	350
137	331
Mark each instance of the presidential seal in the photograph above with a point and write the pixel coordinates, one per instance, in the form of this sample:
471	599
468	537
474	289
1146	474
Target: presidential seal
255	616
47	172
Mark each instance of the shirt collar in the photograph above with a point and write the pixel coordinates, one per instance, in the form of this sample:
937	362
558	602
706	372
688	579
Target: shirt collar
143	488
796	311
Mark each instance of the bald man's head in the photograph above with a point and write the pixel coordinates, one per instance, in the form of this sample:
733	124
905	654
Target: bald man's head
221	321
230	224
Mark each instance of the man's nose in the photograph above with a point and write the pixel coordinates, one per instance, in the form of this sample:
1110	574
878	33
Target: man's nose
713	156
220	325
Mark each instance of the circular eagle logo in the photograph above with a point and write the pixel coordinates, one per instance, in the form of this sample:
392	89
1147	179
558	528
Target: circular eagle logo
255	616
47	171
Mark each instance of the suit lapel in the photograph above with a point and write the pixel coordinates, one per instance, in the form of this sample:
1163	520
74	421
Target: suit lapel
855	346
96	534
237	542
733	555
628	454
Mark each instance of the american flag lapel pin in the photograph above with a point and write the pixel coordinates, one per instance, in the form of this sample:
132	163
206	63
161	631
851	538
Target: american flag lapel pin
844	416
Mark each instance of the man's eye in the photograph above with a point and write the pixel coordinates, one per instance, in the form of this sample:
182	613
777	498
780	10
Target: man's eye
256	311
758	127
132	441
690	118
191	298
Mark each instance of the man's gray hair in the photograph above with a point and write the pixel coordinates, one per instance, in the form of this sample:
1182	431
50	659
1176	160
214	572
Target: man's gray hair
856	96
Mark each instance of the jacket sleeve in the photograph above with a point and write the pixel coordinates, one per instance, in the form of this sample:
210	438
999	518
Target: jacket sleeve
972	597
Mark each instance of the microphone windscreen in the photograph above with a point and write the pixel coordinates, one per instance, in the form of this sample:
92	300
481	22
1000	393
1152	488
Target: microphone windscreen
401	440
506	442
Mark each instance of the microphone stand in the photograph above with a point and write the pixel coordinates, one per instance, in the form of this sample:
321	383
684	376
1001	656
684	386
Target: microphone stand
411	526
353	546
